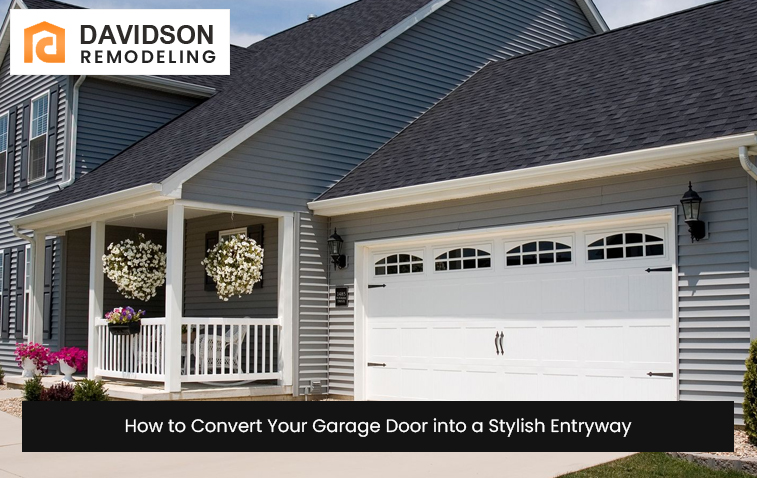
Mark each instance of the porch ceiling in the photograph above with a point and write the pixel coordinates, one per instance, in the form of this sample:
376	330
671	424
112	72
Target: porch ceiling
157	219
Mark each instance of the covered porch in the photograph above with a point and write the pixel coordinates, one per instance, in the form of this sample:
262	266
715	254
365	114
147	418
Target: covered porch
189	335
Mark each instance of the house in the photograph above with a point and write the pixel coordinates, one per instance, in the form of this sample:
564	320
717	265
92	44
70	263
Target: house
53	130
300	110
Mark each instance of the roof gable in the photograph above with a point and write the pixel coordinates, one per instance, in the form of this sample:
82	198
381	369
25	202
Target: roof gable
679	79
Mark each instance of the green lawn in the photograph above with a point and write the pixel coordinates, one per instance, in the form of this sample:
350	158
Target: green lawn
646	465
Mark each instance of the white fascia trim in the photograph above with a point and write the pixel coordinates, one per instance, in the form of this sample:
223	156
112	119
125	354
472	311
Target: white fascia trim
5	41
584	169
161	84
593	15
88	208
175	181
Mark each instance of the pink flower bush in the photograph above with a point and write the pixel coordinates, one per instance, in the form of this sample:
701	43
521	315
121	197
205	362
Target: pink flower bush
37	353
74	357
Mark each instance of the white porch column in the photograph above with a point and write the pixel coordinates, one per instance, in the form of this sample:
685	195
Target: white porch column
96	292
286	297
36	306
174	296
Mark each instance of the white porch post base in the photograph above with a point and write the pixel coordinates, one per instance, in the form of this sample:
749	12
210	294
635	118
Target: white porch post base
174	296
96	292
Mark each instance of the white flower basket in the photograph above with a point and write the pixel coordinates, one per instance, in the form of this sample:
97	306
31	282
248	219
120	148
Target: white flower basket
137	268
235	265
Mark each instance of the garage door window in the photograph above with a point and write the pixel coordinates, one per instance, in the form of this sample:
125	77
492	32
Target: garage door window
464	258
397	264
539	252
627	245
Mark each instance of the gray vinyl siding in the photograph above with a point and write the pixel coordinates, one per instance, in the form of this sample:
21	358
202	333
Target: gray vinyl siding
714	310
262	303
114	116
313	304
299	156
14	90
76	281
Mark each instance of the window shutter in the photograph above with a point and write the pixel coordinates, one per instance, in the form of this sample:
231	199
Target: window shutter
6	319
25	125
52	132
256	234
10	161
48	298
20	283
211	239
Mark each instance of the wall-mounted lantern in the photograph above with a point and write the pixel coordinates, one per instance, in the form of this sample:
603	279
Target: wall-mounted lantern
335	251
691	202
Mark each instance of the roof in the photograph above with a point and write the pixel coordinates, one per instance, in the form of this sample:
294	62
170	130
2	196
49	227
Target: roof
48	4
685	77
272	70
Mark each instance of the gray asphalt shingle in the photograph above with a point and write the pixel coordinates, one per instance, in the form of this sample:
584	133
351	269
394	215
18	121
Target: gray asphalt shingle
686	77
267	72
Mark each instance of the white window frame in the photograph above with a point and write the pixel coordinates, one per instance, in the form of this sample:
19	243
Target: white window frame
385	255
660	232
565	240
486	247
232	232
27	289
29	179
7	140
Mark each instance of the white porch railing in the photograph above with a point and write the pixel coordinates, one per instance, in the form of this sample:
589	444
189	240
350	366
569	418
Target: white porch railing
228	350
135	357
212	350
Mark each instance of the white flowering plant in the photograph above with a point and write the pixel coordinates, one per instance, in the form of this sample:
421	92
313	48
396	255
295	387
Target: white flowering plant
137	268
235	264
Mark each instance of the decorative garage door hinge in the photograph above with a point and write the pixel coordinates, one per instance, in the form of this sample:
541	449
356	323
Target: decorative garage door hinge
376	286
373	364
661	269
652	374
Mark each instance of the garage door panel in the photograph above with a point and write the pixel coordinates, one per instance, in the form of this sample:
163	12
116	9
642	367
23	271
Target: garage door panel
583	330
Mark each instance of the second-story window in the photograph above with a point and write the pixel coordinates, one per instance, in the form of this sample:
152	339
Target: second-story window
38	138
3	149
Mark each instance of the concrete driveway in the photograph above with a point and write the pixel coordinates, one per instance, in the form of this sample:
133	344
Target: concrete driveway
14	464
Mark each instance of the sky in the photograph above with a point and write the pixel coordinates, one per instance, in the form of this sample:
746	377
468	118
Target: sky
253	20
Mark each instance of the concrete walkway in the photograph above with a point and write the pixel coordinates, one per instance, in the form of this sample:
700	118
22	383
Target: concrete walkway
14	464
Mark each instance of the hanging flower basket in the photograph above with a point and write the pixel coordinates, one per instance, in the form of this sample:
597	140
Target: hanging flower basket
235	265
137	268
124	321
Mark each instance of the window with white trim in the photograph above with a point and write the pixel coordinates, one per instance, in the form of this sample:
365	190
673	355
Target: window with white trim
38	137
539	252
229	233
399	264
626	245
3	149
27	289
464	258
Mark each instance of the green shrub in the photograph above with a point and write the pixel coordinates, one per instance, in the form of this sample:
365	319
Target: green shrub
60	392
33	389
750	393
90	391
2	375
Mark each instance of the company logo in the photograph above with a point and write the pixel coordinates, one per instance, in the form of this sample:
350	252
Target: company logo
55	40
120	42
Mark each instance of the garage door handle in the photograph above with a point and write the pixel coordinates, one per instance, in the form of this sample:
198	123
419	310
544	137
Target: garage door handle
497	342
502	347
372	364
652	374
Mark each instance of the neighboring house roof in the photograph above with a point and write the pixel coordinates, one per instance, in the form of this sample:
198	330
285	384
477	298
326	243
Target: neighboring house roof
274	69
49	4
686	77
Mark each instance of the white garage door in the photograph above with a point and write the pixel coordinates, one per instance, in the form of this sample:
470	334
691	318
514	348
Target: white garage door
560	312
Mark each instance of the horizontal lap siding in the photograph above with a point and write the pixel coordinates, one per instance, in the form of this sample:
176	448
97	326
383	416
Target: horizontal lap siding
299	156
113	116
77	288
262	303
14	91
713	274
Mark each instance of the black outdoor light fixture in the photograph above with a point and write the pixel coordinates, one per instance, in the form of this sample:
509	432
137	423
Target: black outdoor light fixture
691	202
335	251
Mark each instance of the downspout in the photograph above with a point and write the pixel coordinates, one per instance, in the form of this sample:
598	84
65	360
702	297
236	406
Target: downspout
748	165
74	123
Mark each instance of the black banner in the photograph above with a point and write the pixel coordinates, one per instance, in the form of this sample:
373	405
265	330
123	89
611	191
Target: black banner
383	427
